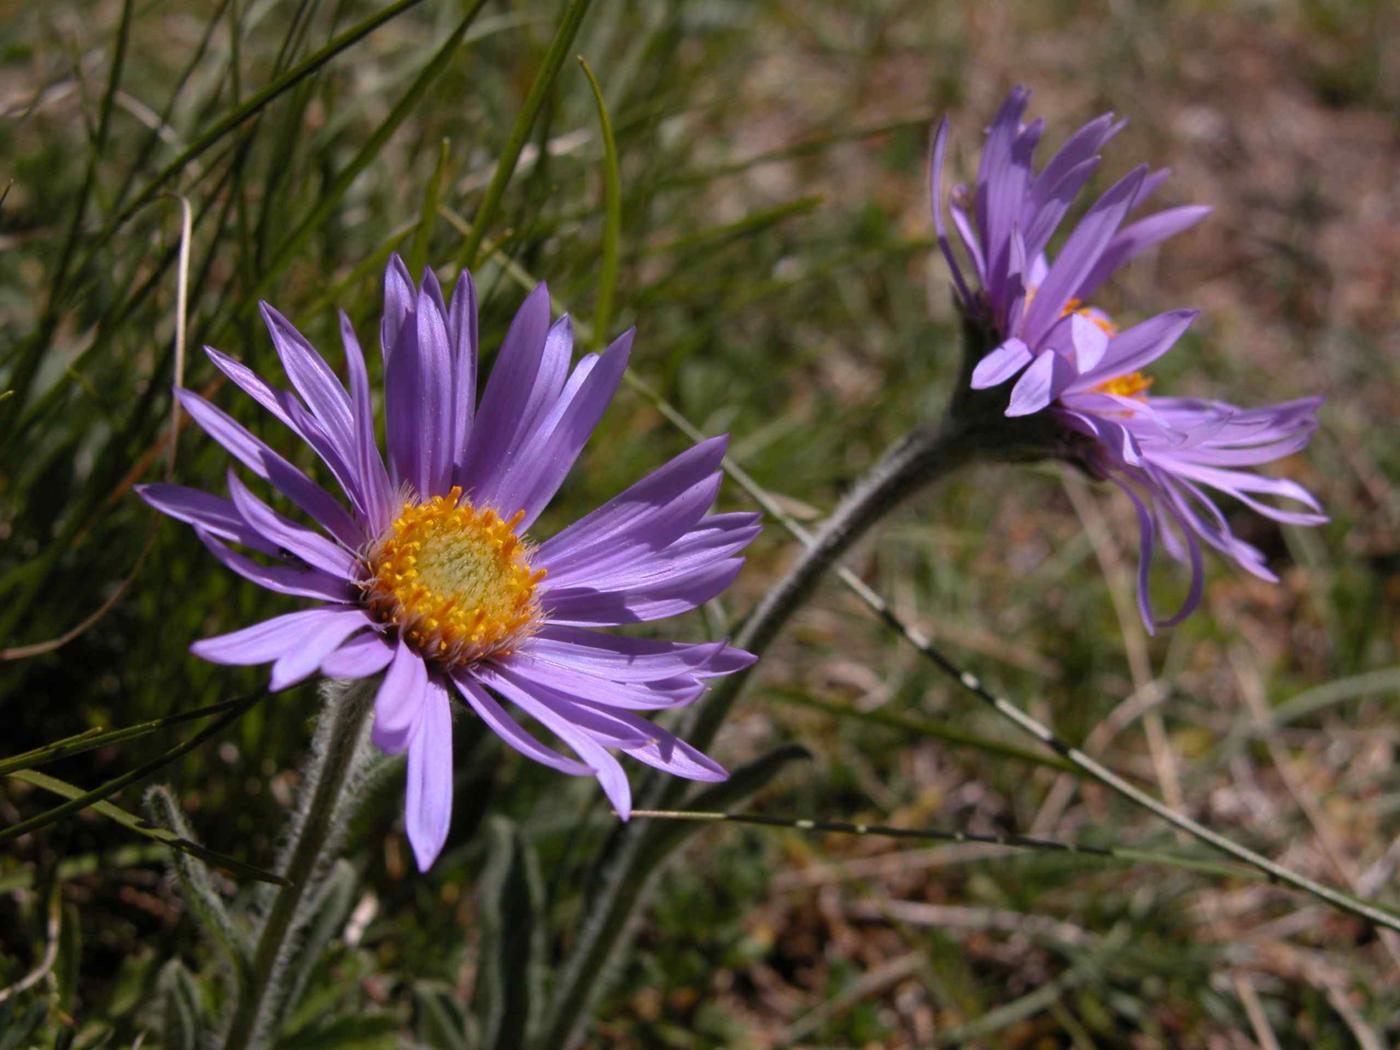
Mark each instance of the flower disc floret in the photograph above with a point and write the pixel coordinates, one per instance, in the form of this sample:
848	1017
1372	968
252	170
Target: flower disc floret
455	580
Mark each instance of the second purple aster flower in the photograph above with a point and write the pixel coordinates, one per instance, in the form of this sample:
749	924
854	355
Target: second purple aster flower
429	576
1071	361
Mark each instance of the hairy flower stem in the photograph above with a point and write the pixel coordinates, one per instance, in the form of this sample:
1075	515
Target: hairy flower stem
637	853
909	464
318	827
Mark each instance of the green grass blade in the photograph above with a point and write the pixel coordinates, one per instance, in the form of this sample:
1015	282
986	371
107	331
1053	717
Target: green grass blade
924	727
520	131
1018	843
612	216
31	354
100	794
427	217
253	105
132	822
366	156
98	737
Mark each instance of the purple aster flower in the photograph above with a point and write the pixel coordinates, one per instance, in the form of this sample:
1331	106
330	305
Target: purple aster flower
1069	358
427	575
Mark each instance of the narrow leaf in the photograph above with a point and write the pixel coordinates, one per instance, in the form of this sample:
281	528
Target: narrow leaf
612	221
520	132
99	737
85	800
512	940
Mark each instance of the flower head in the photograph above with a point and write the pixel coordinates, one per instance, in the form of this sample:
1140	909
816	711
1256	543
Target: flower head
428	575
1071	360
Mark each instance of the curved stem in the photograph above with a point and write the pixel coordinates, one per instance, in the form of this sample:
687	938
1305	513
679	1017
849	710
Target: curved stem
909	464
316	834
636	853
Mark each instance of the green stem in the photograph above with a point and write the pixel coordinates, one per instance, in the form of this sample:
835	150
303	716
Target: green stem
317	832
911	463
638	853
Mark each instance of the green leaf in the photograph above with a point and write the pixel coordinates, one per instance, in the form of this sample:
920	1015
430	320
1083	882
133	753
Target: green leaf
16	1030
925	727
132	822
83	799
520	131
254	104
183	1023
510	981
328	914
201	897
623	888
367	154
612	222
441	1022
98	737
427	216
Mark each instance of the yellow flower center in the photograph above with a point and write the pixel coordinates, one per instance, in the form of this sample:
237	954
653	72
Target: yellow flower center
456	581
1130	385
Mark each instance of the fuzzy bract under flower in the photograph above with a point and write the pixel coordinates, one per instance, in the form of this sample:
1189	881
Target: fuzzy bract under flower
1070	359
428	574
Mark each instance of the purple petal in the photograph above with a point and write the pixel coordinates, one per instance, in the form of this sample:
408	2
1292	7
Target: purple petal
603	765
310	547
214	514
643	507
462	335
584	606
1040	384
1116	438
1133	240
635	566
1137	347
1079	254
1043	219
940	145
1088	341
267	464
1146	534
993	216
576	683
428	798
400	702
647	533
1077	150
508	391
667	752
542	465
1241	484
969	241
509	730
314	645
1001	364
312	378
622	658
376	492
419	395
364	655
437	427
304	583
399	294
271	639
253	385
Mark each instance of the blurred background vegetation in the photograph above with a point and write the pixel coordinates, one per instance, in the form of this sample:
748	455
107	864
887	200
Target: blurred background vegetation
776	260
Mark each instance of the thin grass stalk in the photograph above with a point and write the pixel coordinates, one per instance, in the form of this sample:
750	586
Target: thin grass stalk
520	131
